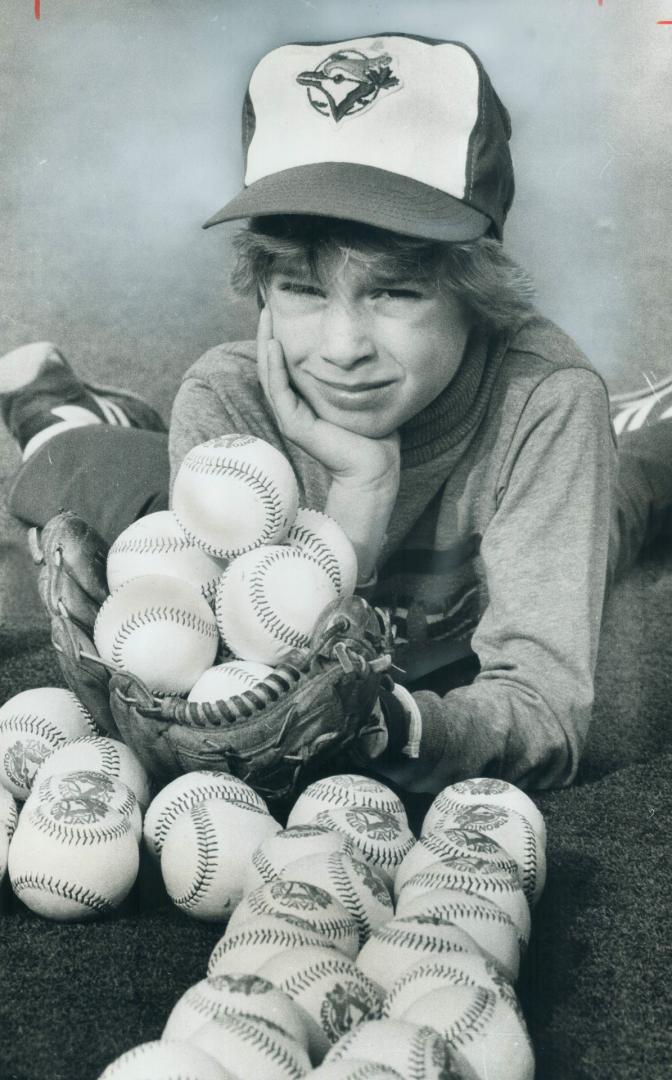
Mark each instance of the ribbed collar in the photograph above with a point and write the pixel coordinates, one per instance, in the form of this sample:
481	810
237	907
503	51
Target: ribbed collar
460	407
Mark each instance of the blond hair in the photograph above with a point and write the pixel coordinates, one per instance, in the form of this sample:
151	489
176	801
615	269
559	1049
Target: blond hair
493	288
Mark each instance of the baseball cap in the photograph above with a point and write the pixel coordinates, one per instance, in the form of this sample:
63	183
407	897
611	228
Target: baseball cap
400	132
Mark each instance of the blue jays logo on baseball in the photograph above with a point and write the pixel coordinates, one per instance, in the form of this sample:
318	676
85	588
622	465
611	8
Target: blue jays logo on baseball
374	884
242	984
377	824
473	841
84	799
23	759
482	814
300	894
348	82
347	1005
482	786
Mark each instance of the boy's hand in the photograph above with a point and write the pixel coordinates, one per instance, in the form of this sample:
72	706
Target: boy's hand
364	471
346	455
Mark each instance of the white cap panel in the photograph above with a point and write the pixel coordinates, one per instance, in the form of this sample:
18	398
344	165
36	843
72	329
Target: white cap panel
423	134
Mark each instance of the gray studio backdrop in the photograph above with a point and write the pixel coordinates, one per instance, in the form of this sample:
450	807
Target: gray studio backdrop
120	135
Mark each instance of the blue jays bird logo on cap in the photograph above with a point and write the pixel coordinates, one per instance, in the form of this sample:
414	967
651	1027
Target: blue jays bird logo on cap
348	82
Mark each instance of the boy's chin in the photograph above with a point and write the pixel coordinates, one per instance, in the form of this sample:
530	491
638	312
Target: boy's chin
369	427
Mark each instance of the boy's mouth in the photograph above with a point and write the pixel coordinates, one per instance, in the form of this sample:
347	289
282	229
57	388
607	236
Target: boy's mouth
353	388
352	397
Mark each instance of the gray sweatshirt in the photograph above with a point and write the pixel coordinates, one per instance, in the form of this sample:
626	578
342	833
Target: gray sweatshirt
497	546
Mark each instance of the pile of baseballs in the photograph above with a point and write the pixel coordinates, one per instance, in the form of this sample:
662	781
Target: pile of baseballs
351	949
73	851
234	569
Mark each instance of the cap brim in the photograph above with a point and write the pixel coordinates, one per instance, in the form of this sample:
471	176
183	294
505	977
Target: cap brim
375	197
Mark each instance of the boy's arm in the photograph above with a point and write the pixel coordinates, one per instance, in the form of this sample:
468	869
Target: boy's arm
525	716
215	398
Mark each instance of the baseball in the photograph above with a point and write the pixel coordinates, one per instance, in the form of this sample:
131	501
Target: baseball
157	544
483	789
97	753
454	969
4	854
378	835
476	877
355	1069
83	792
252	1047
9	814
345	790
323	538
415	1051
166	1061
73	870
269	600
205	852
491	928
246	994
304	901
402	942
32	725
512	831
332	993
453	844
187	790
233	493
224	680
481	1027
255	942
276	852
361	889
159	628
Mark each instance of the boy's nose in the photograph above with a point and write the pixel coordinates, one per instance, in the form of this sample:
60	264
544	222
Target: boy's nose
345	339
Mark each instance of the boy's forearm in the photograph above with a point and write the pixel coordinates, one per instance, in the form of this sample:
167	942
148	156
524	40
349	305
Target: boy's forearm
363	514
502	730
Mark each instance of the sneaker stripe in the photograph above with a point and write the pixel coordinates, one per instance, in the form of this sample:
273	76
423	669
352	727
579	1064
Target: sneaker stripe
112	412
104	406
631	419
634	415
122	418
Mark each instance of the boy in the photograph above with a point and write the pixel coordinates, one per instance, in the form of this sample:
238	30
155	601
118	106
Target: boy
461	440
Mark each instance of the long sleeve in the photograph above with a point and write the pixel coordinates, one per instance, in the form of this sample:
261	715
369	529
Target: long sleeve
525	716
221	395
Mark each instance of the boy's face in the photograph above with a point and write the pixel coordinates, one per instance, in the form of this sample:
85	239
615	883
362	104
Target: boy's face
366	353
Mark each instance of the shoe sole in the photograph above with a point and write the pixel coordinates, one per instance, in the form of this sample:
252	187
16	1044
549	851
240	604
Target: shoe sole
19	367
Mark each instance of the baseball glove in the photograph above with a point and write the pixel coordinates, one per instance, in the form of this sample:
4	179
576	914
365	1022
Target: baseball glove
317	706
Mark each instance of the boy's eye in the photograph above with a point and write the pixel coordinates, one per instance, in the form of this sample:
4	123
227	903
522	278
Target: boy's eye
399	294
300	288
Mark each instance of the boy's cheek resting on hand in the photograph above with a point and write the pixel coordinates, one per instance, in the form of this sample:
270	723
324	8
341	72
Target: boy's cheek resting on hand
364	472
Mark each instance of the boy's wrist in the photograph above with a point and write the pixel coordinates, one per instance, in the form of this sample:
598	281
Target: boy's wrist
364	517
382	488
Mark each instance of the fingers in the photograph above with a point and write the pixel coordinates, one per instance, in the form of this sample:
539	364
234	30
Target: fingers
265	328
264	336
276	373
273	374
